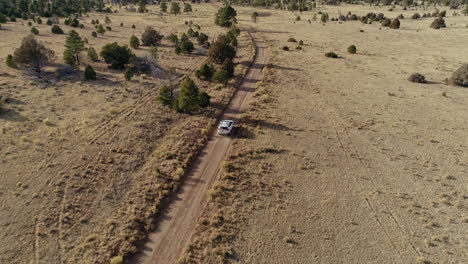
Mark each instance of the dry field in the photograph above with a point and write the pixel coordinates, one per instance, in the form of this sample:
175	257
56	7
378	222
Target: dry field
344	160
84	166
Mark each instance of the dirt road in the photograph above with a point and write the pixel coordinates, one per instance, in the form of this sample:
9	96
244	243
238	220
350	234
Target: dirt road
166	244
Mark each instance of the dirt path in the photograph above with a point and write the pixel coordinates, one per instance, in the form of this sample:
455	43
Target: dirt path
166	244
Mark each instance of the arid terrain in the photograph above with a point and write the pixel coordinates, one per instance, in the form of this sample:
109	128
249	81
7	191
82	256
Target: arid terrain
334	160
344	160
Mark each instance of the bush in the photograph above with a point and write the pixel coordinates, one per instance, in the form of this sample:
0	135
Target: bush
185	45
165	96
352	49
331	55
292	40
56	29
221	50
460	76
228	66
438	23
134	42
100	29
128	74
285	48
108	28
386	22
3	18
34	31
221	76
38	20
92	55
173	38
33	54
416	16
395	24
150	37
49	22
417	78
442	14
202	38
89	73
203	99
115	55
400	16
10	62
206	71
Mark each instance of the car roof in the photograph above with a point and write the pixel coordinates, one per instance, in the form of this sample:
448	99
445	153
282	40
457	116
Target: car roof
226	122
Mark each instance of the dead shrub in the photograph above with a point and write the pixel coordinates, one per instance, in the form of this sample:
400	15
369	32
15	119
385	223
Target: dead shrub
417	78
438	23
331	54
460	76
395	24
386	22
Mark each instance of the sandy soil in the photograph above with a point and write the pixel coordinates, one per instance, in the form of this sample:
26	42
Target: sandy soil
367	167
84	166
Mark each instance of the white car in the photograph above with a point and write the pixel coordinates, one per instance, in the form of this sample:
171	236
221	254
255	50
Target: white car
225	127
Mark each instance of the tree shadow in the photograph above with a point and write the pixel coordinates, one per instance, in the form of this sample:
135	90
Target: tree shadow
279	67
12	116
266	124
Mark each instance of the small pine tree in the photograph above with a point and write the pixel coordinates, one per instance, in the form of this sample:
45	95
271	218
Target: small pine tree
173	38
163	7
203	99
324	18
188	96
107	20
225	16
142	6
206	71
92	55
154	51
134	42
165	96
74	45
38	20
175	8
94	34
187	8
89	73
10	62
228	66
34	31
128	74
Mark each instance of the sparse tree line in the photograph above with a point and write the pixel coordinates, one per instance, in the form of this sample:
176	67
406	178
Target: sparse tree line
35	55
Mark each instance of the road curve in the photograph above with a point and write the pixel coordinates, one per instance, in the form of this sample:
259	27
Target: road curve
166	244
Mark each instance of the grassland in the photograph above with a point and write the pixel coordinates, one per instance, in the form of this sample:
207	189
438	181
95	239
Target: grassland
85	166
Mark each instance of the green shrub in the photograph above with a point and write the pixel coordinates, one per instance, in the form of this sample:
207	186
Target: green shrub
128	74
225	16
202	38
352	49
154	51
38	20
203	99
3	18
292	40
165	96
73	47
56	29
185	45
206	71
116	56
94	34
100	29
221	76
49	22
89	73
92	54
228	66
173	38
10	62
34	31
134	42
